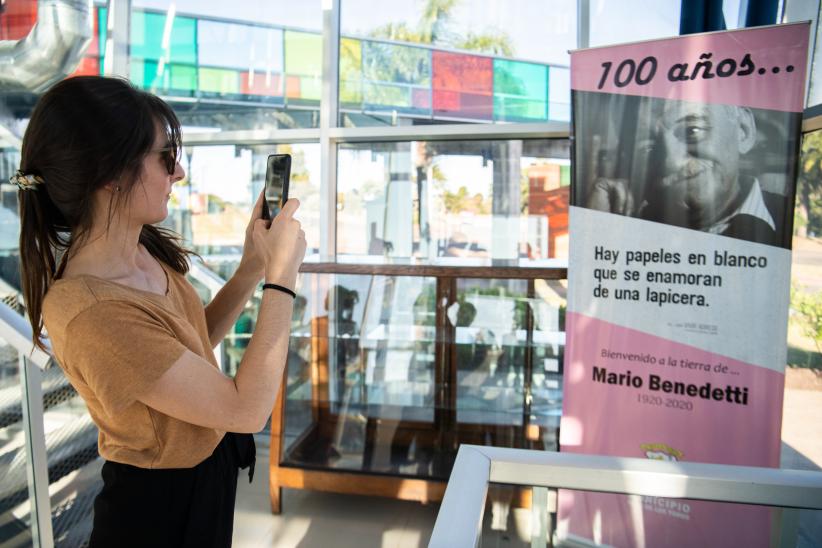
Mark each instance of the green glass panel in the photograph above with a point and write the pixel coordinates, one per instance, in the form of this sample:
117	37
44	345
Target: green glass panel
391	73
152	78
350	71
143	73
147	37
219	80
137	72
564	175
387	95
303	58
102	28
303	54
396	64
102	23
183	77
520	90
311	88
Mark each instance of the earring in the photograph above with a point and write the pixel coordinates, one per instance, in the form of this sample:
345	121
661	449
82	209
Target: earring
117	188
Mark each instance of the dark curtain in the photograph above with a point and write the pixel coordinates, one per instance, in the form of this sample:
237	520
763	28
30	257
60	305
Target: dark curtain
701	16
706	15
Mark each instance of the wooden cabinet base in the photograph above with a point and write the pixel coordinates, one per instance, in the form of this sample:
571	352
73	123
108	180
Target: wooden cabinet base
352	484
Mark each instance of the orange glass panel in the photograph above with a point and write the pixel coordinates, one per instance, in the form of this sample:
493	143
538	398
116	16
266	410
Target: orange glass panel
463	85
89	66
261	84
17	19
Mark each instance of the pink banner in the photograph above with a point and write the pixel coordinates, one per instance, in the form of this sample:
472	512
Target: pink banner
686	154
673	390
757	68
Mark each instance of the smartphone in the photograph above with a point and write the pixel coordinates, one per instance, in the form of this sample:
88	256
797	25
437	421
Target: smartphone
277	175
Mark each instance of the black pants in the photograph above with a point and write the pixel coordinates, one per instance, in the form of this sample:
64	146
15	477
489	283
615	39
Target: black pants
172	507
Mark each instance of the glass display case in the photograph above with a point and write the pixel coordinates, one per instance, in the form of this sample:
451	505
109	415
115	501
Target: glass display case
392	367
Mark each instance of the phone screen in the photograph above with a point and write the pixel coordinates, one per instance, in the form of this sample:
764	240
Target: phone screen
277	175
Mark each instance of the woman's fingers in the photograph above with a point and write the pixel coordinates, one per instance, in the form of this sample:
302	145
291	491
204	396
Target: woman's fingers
257	212
289	208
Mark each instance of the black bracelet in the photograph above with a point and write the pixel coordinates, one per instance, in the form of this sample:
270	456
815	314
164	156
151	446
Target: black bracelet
280	288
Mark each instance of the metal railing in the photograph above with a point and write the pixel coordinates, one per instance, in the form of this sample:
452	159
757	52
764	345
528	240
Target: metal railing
459	522
16	331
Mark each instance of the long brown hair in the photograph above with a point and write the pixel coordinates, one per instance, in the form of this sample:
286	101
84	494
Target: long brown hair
85	132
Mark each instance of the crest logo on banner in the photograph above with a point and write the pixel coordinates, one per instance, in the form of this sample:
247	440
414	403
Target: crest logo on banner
685	161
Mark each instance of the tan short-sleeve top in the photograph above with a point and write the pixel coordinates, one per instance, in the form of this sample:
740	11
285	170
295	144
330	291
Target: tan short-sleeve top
114	342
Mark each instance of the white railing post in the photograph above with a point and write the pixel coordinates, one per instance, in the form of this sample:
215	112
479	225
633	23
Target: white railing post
31	377
539	517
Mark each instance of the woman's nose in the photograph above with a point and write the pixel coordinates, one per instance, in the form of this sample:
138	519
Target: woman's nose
179	173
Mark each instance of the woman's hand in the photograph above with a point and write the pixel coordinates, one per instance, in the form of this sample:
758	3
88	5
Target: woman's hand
252	261
281	245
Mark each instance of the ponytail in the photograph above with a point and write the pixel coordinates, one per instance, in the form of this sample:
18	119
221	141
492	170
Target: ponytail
40	238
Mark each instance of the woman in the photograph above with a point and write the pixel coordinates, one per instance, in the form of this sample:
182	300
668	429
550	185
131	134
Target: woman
99	158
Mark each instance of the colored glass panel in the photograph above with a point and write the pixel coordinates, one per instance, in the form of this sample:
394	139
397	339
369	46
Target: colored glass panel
292	87
303	59
142	73
89	66
102	23
219	80
311	88
147	33
350	71
387	95
421	98
17	19
564	175
239	46
462	85
150	75
93	49
520	91
181	78
261	84
393	73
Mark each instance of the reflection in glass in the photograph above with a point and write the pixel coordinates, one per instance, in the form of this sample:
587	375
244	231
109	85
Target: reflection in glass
212	206
384	378
508	351
466	60
491	320
458	202
606	519
361	378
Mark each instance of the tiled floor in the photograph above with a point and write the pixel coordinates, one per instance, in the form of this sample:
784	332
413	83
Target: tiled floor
311	519
326	519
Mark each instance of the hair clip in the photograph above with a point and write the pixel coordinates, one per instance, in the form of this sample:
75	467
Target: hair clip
26	182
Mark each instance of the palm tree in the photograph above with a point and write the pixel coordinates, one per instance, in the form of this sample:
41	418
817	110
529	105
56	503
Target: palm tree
433	28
